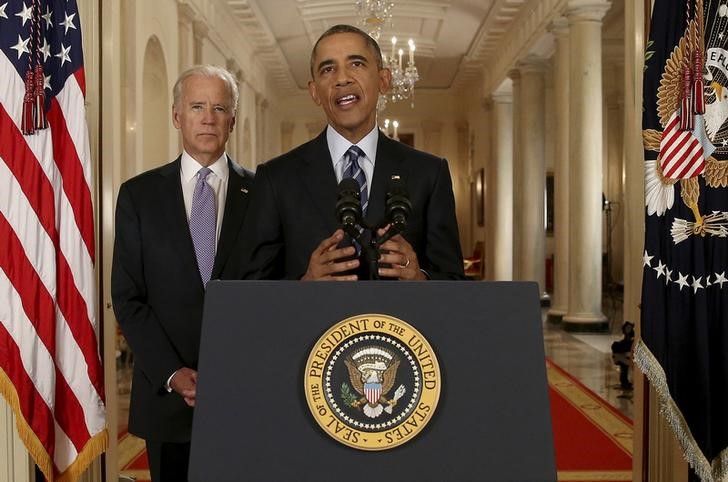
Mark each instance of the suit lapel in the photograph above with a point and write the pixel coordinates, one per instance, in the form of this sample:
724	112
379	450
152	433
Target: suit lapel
173	209
320	180
236	203
387	164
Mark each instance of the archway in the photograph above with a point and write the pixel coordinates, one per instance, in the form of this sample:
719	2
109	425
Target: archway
155	106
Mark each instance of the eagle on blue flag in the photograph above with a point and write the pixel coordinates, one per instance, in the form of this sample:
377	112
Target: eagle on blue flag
683	348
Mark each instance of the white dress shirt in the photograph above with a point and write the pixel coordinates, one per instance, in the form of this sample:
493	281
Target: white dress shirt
217	179
338	145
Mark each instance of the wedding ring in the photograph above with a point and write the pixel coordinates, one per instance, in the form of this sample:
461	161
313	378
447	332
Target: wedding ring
407	263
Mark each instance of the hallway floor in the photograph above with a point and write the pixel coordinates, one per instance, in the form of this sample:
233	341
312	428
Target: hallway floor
588	357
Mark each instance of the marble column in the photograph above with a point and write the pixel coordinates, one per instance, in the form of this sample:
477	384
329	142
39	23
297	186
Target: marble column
199	31
233	145
584	311
258	128
263	139
287	135
560	297
14	459
501	259
186	38
613	185
517	138
530	174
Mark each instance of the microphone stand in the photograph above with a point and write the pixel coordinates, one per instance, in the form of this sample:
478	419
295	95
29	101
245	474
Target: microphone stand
370	249
370	252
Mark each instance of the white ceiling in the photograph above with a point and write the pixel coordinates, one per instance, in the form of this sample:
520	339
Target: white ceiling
451	35
456	39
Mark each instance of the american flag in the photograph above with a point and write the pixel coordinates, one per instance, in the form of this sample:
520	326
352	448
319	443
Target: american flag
50	369
683	348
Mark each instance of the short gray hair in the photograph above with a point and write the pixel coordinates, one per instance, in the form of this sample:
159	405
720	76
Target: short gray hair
208	71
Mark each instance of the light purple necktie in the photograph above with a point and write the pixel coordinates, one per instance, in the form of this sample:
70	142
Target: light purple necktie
353	170
203	224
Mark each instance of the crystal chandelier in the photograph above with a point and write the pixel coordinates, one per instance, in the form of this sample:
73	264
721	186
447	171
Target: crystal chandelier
387	132
373	15
403	79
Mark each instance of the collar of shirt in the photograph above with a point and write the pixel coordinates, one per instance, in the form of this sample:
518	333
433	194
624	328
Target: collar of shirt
218	180
190	167
338	145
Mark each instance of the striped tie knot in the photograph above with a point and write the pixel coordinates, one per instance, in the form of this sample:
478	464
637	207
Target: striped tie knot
353	170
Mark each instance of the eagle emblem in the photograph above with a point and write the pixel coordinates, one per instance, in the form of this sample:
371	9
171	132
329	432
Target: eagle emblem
372	381
372	373
692	106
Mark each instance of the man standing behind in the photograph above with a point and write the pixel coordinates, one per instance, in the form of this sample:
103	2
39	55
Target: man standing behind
176	227
292	209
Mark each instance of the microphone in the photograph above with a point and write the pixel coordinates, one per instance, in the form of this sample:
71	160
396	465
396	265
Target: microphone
348	206
397	205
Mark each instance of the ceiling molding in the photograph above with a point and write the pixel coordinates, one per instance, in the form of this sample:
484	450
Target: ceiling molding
266	49
519	41
483	48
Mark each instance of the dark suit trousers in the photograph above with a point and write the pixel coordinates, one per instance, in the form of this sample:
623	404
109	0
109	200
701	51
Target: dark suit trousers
168	461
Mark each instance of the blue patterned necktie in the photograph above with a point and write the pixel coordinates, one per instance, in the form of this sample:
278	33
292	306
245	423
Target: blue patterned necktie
203	224
353	170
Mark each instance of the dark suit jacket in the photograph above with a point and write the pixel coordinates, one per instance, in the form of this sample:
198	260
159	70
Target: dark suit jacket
293	209
157	291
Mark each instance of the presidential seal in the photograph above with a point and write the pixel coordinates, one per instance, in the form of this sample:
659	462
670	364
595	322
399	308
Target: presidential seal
372	382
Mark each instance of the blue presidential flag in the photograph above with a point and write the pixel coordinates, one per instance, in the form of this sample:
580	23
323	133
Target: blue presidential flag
683	348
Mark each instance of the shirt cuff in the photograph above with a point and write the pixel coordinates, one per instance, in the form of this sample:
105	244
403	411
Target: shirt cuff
166	385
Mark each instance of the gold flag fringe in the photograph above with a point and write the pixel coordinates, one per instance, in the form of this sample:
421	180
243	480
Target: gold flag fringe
712	471
93	448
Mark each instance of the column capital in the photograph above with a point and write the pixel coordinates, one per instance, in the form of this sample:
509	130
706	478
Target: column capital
559	27
578	11
502	97
514	74
232	66
532	64
200	29
185	11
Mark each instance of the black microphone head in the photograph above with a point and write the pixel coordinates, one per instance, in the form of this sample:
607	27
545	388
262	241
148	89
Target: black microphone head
348	185
348	204
397	205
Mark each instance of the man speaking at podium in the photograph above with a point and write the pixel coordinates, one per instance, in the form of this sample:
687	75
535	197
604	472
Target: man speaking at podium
292	231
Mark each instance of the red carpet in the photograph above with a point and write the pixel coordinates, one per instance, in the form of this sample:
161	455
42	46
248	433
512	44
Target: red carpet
593	441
